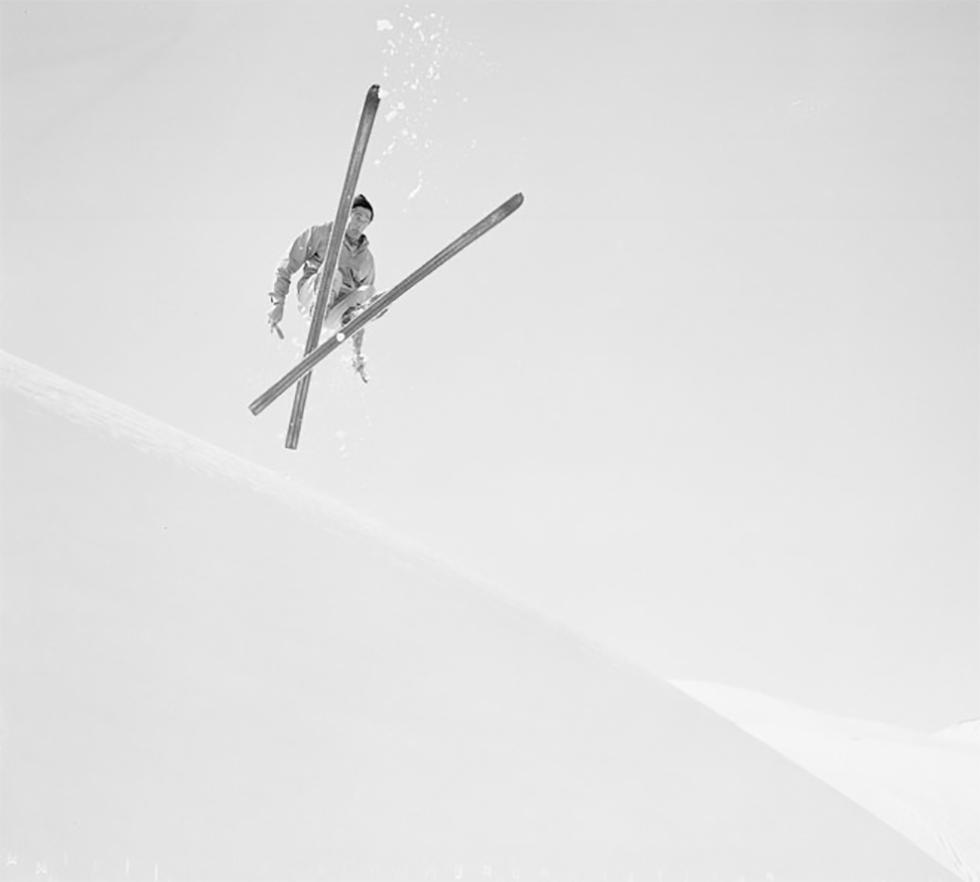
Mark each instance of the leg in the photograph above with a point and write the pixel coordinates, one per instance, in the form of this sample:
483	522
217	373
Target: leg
359	361
306	291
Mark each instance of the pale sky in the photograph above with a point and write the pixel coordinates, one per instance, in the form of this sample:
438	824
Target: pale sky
709	396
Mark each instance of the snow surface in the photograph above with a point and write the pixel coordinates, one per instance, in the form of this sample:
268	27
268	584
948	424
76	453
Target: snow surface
87	407
967	732
209	672
925	786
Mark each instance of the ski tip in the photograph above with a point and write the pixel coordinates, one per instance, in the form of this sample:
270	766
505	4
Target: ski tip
374	92
512	204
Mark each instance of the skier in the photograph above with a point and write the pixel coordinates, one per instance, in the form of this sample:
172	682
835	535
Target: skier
355	273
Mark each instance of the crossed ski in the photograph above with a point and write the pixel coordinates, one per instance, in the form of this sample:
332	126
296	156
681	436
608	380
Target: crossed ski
323	292
316	351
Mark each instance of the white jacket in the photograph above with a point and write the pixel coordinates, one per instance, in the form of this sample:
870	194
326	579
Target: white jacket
356	263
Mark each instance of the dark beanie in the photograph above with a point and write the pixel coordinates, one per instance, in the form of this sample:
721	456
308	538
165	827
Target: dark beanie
360	201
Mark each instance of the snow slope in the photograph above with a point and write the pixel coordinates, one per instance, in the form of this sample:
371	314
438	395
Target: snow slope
967	732
925	786
210	673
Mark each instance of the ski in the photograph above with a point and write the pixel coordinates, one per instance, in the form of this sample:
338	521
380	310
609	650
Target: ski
382	302
330	259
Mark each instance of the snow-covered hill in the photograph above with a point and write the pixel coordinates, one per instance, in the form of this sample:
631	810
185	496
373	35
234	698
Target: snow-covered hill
210	673
925	786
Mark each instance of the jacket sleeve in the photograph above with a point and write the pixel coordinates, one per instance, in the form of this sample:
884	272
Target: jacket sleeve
368	276
290	263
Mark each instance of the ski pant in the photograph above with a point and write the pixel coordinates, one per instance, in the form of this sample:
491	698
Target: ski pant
306	293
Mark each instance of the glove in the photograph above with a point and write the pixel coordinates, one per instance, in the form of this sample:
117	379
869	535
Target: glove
275	315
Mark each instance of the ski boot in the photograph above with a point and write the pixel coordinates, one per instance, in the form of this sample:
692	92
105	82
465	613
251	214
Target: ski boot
359	363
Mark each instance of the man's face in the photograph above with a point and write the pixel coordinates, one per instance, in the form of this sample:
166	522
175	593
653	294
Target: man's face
360	217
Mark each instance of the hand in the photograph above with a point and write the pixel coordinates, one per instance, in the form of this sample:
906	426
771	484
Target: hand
275	316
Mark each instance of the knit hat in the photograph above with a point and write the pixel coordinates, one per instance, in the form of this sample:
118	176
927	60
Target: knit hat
360	201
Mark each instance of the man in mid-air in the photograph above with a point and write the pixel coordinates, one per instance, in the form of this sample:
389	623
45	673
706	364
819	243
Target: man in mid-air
354	278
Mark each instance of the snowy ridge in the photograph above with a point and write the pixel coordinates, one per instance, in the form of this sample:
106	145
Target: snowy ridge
967	732
927	787
87	407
